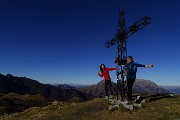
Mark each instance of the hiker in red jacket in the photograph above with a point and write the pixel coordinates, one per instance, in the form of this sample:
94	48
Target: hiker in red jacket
105	74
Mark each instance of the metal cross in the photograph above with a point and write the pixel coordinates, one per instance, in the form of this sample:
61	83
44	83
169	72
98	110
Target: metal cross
121	39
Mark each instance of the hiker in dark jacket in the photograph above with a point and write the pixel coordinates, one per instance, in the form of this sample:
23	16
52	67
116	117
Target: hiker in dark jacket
130	70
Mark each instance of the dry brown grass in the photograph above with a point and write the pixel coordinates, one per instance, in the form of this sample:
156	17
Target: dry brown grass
97	109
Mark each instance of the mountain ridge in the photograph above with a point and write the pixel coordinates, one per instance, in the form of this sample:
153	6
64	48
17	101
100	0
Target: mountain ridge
140	86
23	85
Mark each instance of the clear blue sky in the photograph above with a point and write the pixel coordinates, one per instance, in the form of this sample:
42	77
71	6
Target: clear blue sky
62	41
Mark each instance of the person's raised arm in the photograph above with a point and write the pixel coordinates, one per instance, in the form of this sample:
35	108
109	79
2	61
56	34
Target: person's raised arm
146	66
140	65
110	69
99	74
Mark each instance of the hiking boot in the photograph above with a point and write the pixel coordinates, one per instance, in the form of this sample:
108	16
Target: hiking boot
106	97
111	97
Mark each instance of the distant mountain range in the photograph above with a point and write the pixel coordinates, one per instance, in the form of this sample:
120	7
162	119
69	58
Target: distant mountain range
140	87
172	89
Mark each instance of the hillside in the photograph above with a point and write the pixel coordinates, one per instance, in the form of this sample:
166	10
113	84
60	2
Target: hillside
23	85
13	102
20	93
97	109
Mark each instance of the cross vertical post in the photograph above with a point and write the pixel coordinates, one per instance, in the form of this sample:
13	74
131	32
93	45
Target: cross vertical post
122	53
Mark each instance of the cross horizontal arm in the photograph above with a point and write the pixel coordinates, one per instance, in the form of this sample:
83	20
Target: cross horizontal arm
121	36
138	26
111	42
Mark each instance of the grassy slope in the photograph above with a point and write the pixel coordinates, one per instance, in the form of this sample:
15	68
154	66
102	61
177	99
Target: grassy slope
97	109
12	102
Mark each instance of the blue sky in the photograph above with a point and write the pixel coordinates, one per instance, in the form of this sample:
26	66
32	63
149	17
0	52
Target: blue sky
62	41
